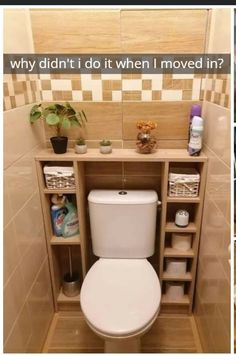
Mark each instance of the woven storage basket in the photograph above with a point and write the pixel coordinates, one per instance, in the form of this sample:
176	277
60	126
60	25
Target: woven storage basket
183	182
59	177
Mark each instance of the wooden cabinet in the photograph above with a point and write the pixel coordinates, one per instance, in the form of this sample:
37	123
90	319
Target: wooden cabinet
57	246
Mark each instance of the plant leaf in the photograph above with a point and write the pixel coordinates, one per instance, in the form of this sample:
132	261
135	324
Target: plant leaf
35	116
84	115
75	122
66	123
52	119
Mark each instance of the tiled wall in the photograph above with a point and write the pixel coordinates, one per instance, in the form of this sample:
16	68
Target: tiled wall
28	307
117	31
212	301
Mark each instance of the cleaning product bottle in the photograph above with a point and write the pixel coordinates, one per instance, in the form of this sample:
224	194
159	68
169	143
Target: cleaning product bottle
195	142
58	213
70	224
196	110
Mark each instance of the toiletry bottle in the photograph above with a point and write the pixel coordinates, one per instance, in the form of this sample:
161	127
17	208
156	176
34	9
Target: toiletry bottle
196	132
58	213
196	110
70	224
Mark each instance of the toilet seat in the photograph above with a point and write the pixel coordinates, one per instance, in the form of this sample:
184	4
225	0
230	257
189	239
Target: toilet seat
120	297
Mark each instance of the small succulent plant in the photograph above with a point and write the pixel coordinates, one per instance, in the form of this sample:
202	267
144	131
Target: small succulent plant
105	143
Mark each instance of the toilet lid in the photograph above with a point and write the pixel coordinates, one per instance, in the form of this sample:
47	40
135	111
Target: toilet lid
120	296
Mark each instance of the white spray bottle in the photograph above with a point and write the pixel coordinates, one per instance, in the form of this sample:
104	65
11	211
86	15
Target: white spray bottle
196	133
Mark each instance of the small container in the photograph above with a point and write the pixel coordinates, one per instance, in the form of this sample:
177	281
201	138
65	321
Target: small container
181	241
176	266
81	149
71	284
105	149
182	218
175	290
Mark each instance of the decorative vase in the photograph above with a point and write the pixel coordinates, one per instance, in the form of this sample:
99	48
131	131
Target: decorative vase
146	143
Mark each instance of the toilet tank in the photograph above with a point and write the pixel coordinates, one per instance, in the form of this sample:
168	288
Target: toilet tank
123	223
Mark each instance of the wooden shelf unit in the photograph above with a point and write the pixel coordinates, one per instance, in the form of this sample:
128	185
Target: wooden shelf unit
165	158
195	205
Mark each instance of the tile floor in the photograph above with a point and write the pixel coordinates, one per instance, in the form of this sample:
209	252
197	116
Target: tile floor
69	333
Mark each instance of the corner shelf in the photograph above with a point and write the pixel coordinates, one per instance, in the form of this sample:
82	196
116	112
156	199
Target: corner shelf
173	253
59	191
183	199
75	240
63	298
168	301
170	277
171	227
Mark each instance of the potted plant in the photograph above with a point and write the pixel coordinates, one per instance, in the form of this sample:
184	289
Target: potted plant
80	146
105	146
59	116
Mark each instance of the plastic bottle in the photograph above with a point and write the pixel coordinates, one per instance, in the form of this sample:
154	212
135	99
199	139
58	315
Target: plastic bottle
196	131
58	213
196	110
70	225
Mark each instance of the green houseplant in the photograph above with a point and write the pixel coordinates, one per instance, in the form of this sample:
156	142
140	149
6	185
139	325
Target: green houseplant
58	116
80	146
105	146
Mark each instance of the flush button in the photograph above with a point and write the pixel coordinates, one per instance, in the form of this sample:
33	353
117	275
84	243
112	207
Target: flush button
122	193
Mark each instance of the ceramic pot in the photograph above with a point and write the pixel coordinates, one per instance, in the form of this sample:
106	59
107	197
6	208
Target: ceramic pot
105	149
59	144
81	149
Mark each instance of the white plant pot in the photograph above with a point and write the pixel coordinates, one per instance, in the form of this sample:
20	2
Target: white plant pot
81	149
105	149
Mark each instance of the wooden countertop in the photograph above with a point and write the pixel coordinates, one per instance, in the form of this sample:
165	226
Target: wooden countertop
161	155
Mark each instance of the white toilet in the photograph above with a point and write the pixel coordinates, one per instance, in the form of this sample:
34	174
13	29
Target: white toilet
120	296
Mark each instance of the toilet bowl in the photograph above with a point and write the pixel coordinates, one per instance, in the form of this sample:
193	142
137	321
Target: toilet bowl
120	299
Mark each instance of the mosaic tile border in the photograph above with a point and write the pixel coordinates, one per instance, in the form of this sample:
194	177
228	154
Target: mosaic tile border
19	90
216	89
25	88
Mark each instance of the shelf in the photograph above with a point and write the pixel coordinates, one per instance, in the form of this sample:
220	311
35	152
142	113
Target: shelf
169	277
63	298
171	227
161	155
171	252
75	240
168	301
59	191
183	199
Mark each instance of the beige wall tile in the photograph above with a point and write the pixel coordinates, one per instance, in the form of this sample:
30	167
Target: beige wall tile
217	130
104	121
14	298
151	32
20	335
220	33
10	250
40	308
17	31
218	183
32	261
212	304
168	115
80	31
16	127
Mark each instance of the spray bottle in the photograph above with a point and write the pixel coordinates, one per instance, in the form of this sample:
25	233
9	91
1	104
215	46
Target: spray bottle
196	132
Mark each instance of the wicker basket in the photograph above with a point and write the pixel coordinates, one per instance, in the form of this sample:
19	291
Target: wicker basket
183	182
59	177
